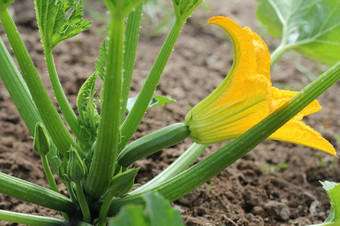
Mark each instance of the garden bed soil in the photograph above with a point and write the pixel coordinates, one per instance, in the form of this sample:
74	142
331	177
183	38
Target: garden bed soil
275	184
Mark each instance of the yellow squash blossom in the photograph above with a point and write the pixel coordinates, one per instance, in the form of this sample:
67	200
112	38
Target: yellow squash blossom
246	96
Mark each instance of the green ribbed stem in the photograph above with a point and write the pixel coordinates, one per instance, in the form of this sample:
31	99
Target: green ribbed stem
33	193
21	96
82	202
130	48
59	93
106	149
49	174
104	209
278	52
179	165
70	190
203	171
50	178
50	117
137	112
17	89
28	219
152	143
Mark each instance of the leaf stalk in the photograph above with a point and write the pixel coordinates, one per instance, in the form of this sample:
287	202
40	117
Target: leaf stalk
137	112
106	149
50	117
64	104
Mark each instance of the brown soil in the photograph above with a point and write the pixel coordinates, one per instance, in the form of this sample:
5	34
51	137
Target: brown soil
275	184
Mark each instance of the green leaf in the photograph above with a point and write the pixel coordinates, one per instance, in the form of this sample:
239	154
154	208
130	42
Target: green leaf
157	100
184	8
123	182
333	191
102	59
311	27
89	117
160	211
54	25
130	215
85	95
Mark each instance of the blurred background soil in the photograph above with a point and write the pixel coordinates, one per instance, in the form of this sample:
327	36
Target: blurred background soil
275	184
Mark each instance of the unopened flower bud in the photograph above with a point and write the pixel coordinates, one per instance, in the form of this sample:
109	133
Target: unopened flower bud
62	169
76	168
42	142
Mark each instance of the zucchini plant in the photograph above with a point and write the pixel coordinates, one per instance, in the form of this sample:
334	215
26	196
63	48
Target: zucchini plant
94	162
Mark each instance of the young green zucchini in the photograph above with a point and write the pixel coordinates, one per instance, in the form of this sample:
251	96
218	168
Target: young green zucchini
152	143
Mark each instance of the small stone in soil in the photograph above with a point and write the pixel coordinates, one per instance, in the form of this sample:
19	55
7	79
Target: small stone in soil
279	210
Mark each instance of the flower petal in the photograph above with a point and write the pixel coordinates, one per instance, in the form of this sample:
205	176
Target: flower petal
262	54
280	97
231	120
232	91
298	132
246	96
244	56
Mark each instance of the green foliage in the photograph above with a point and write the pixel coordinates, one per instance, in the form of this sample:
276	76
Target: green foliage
311	27
123	182
157	212
95	164
54	25
130	215
88	113
101	63
4	4
333	191
102	60
157	100
160	211
184	8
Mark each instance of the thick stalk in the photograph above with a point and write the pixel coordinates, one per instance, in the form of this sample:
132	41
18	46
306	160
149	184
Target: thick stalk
64	104
17	89
21	96
50	117
152	143
28	219
179	165
33	193
82	202
106	149
137	112
130	49
200	173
